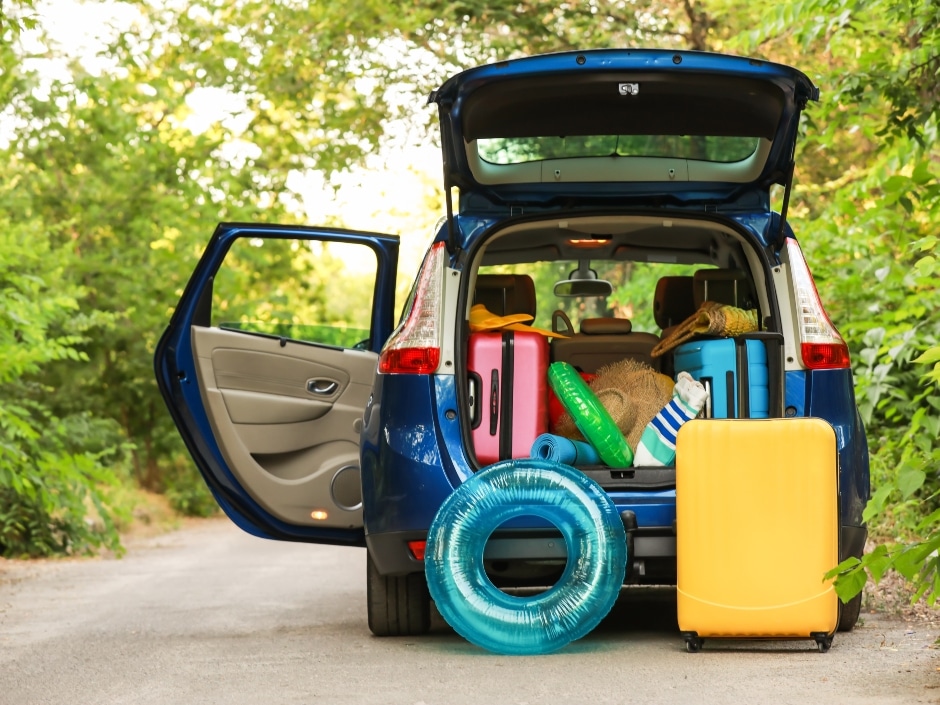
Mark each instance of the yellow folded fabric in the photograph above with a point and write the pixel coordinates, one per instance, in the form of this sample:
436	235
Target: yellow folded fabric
481	319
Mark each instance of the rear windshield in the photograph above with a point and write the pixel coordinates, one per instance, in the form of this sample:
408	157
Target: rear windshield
516	150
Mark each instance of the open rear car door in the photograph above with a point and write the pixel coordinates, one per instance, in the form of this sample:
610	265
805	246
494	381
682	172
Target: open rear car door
267	366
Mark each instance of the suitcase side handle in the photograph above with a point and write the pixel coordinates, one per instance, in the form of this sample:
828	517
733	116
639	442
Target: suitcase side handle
475	384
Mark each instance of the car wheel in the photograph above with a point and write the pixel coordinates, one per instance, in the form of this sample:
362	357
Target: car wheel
848	615
399	605
589	584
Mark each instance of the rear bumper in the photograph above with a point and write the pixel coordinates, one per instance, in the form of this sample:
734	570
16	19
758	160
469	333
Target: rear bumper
654	549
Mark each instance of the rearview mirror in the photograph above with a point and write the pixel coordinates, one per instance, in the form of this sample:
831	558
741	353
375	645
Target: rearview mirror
583	287
583	282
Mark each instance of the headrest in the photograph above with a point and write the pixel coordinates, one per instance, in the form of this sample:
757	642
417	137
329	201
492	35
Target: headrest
506	294
723	286
606	326
674	301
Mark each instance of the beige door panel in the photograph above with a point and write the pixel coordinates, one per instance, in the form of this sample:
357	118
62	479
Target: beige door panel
287	419
272	371
260	408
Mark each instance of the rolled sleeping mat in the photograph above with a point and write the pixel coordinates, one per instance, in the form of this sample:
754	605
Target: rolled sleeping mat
564	450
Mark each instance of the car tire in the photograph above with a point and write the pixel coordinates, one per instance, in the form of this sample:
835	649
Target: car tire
849	612
539	624
399	605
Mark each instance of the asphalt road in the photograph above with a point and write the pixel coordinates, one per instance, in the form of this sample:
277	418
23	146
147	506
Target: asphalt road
211	615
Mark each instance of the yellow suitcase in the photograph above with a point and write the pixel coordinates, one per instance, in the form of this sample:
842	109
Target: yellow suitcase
757	524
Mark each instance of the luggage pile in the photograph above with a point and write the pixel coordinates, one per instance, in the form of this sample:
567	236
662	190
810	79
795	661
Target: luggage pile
515	408
756	525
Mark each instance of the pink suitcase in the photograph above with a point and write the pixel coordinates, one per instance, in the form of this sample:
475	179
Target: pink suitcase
508	393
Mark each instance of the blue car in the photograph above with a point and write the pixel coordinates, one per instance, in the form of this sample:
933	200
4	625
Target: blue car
600	196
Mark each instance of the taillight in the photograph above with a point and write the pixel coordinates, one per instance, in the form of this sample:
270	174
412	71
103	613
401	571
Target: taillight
415	347
821	346
417	549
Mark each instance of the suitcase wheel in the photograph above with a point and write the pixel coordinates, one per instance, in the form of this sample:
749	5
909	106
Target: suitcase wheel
693	642
823	641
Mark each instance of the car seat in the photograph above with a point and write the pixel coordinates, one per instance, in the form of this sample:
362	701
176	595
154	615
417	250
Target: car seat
673	302
602	341
724	286
505	294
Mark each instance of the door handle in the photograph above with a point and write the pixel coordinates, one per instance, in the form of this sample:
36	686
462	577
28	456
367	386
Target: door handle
322	387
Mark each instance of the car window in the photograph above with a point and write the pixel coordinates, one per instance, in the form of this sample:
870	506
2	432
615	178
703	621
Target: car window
633	283
709	148
307	291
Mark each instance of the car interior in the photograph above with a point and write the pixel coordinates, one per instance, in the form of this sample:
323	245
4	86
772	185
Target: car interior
671	267
715	265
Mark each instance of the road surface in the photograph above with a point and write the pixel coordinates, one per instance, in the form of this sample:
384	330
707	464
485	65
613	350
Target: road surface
208	614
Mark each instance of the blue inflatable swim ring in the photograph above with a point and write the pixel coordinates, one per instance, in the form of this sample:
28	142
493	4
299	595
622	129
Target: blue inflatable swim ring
539	624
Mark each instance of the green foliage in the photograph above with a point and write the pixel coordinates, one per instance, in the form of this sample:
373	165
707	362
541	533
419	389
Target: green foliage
51	482
59	504
918	562
15	17
906	501
187	491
